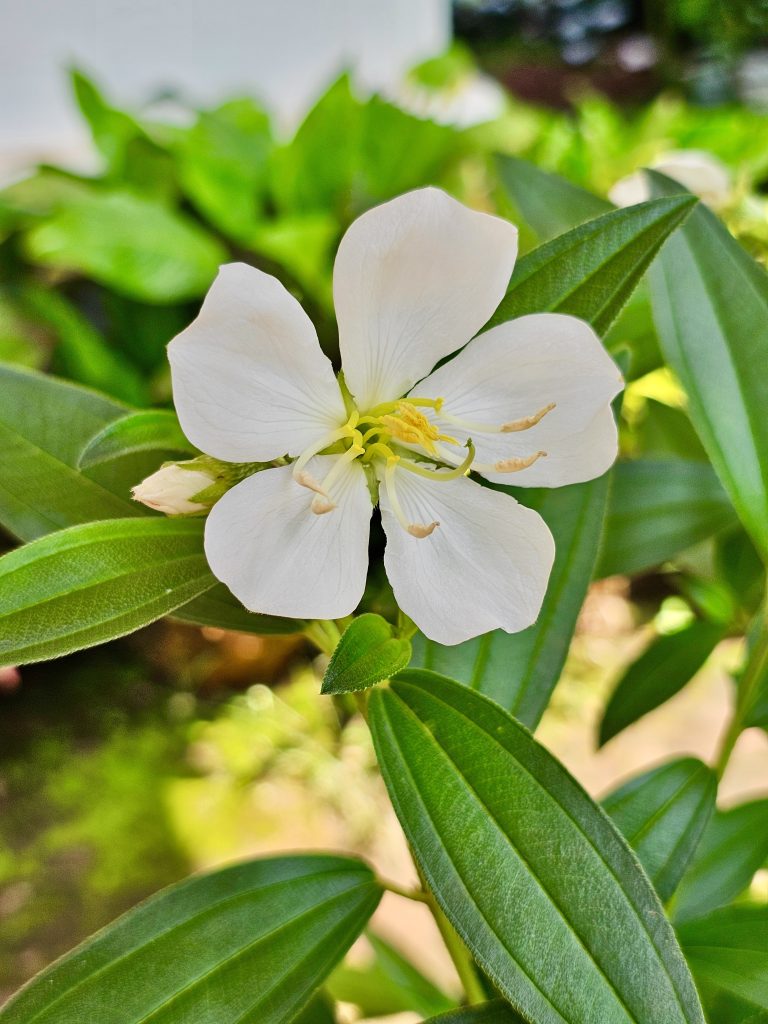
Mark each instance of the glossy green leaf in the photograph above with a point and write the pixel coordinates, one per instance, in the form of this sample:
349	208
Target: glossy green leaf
548	204
658	508
728	954
520	670
389	984
318	1011
734	846
661	671
495	1012
219	608
662	814
368	652
95	582
592	270
531	873
250	943
140	247
710	300
152	430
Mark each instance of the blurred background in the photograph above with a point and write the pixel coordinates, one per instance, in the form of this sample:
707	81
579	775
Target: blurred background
143	144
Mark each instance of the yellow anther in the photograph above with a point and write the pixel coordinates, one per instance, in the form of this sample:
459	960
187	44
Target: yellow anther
527	421
420	531
514	465
410	426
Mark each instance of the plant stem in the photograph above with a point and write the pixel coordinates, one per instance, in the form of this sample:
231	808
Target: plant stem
324	634
753	675
410	894
458	952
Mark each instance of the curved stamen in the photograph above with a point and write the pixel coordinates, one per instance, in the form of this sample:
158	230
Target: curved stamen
439	475
419	530
306	479
525	423
321	503
513	465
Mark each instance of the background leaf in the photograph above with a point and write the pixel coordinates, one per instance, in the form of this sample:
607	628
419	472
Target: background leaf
152	430
528	870
710	300
734	846
249	943
94	582
368	652
662	814
661	671
658	508
495	1012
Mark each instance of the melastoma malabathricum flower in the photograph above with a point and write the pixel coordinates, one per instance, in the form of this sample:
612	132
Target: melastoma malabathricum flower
527	401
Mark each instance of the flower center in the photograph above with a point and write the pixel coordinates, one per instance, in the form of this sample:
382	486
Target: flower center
378	436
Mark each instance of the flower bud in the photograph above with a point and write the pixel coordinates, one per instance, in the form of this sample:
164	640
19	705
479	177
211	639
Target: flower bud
174	488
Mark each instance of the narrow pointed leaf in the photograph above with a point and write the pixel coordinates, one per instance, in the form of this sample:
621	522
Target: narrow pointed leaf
520	670
250	943
658	508
368	652
728	954
734	846
661	671
710	301
593	269
533	875
152	430
95	582
495	1012
219	608
662	814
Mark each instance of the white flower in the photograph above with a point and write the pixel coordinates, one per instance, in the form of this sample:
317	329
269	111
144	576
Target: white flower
414	280
699	171
171	490
474	99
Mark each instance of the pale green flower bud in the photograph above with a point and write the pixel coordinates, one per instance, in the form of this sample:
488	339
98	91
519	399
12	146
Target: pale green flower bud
175	488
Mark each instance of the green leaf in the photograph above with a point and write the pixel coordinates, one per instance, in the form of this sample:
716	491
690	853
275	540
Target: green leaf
250	943
547	203
658	508
734	846
710	301
152	430
95	582
368	652
520	670
112	129
593	269
728	954
485	1013
662	815
390	984
137	246
44	423
661	671
219	608
530	872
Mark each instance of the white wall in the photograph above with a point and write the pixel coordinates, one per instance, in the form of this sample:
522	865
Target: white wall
280	50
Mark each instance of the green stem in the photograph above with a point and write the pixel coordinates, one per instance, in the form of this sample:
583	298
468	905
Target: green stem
399	890
458	952
752	677
324	634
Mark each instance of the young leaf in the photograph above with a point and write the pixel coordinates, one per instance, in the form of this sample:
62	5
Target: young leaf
547	203
390	984
520	670
592	270
496	1012
661	671
152	430
710	301
662	815
95	582
657	509
139	247
728	954
249	943
530	872
368	652
734	846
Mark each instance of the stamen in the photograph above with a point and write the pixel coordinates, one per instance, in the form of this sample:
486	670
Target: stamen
306	479
440	475
513	465
322	503
419	530
527	421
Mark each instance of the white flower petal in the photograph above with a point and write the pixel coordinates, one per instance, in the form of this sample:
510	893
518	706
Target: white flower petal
516	370
486	565
278	557
414	279
250	382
